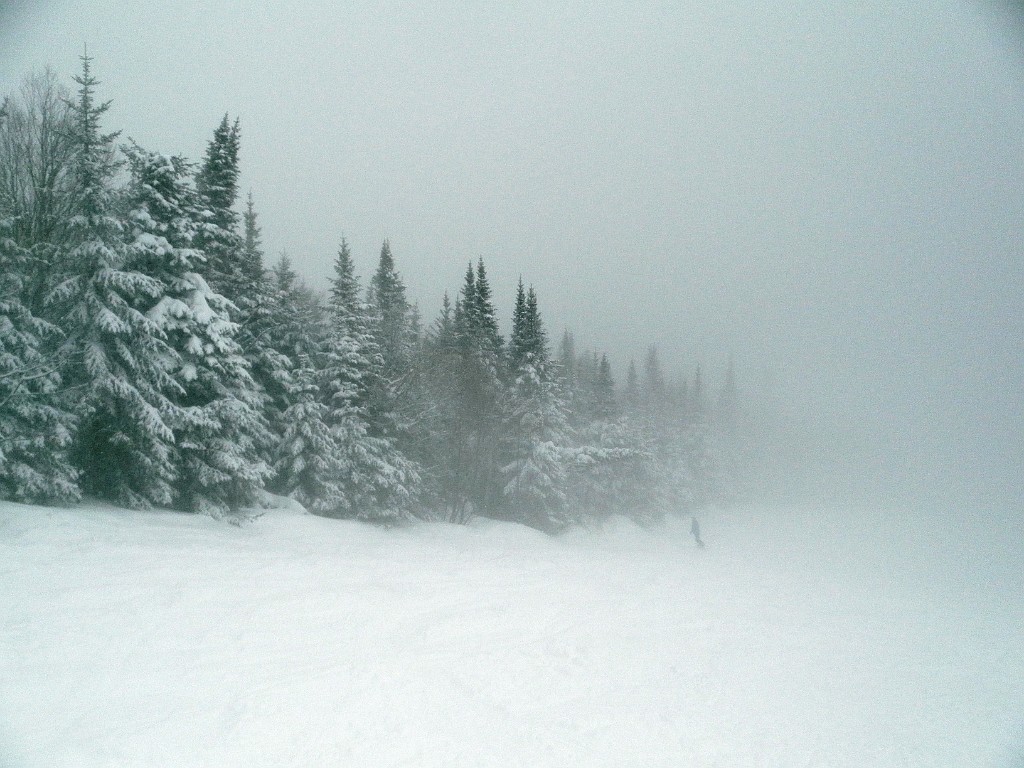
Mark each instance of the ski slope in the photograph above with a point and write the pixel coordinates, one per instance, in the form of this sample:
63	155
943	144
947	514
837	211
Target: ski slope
797	638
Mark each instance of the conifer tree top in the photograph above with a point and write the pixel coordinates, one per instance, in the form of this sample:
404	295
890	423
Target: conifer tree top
218	178
252	251
386	287
95	162
344	284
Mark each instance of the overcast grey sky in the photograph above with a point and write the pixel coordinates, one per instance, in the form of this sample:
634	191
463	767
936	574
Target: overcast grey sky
833	190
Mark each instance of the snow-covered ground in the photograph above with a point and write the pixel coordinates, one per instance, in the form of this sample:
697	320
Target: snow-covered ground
797	638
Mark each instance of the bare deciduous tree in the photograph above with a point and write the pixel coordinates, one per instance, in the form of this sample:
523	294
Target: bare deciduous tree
37	186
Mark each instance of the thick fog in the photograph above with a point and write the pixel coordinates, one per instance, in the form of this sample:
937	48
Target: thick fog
831	194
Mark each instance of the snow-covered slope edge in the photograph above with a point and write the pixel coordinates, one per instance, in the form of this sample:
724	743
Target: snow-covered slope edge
160	639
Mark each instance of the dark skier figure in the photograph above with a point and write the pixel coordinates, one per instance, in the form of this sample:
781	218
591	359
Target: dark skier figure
695	530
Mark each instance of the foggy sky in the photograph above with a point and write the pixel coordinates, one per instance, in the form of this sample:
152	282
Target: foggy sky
830	193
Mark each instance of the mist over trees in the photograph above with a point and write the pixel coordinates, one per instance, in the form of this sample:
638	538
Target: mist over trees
151	357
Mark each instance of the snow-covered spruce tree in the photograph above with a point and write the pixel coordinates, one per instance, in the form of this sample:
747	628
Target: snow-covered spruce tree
217	421
351	321
218	237
612	466
223	433
298	320
605	404
537	424
264	312
293	333
477	389
386	296
485	319
252	268
398	394
377	478
35	431
235	269
114	355
520	343
654	389
310	466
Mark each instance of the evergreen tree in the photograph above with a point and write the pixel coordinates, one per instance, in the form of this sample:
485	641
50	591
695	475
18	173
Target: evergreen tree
535	333
486	320
698	405
612	471
260	308
376	477
352	326
298	321
612	463
518	345
537	423
605	405
35	431
292	327
252	245
217	421
467	311
310	465
583	388
632	387
391	309
285	278
235	270
344	292
443	331
217	183
655	394
464	365
113	352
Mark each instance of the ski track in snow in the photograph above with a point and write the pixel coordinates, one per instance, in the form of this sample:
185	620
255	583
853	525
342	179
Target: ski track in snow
797	639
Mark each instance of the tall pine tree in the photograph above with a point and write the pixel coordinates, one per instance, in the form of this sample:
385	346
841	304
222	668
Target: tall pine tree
114	353
310	463
537	424
35	430
391	308
217	183
217	422
377	479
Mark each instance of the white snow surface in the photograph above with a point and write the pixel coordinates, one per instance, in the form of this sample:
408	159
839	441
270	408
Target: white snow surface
797	638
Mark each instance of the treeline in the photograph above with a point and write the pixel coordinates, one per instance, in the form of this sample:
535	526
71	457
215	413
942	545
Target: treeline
149	358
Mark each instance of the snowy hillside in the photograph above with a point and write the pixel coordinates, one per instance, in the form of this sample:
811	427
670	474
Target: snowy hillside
162	639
